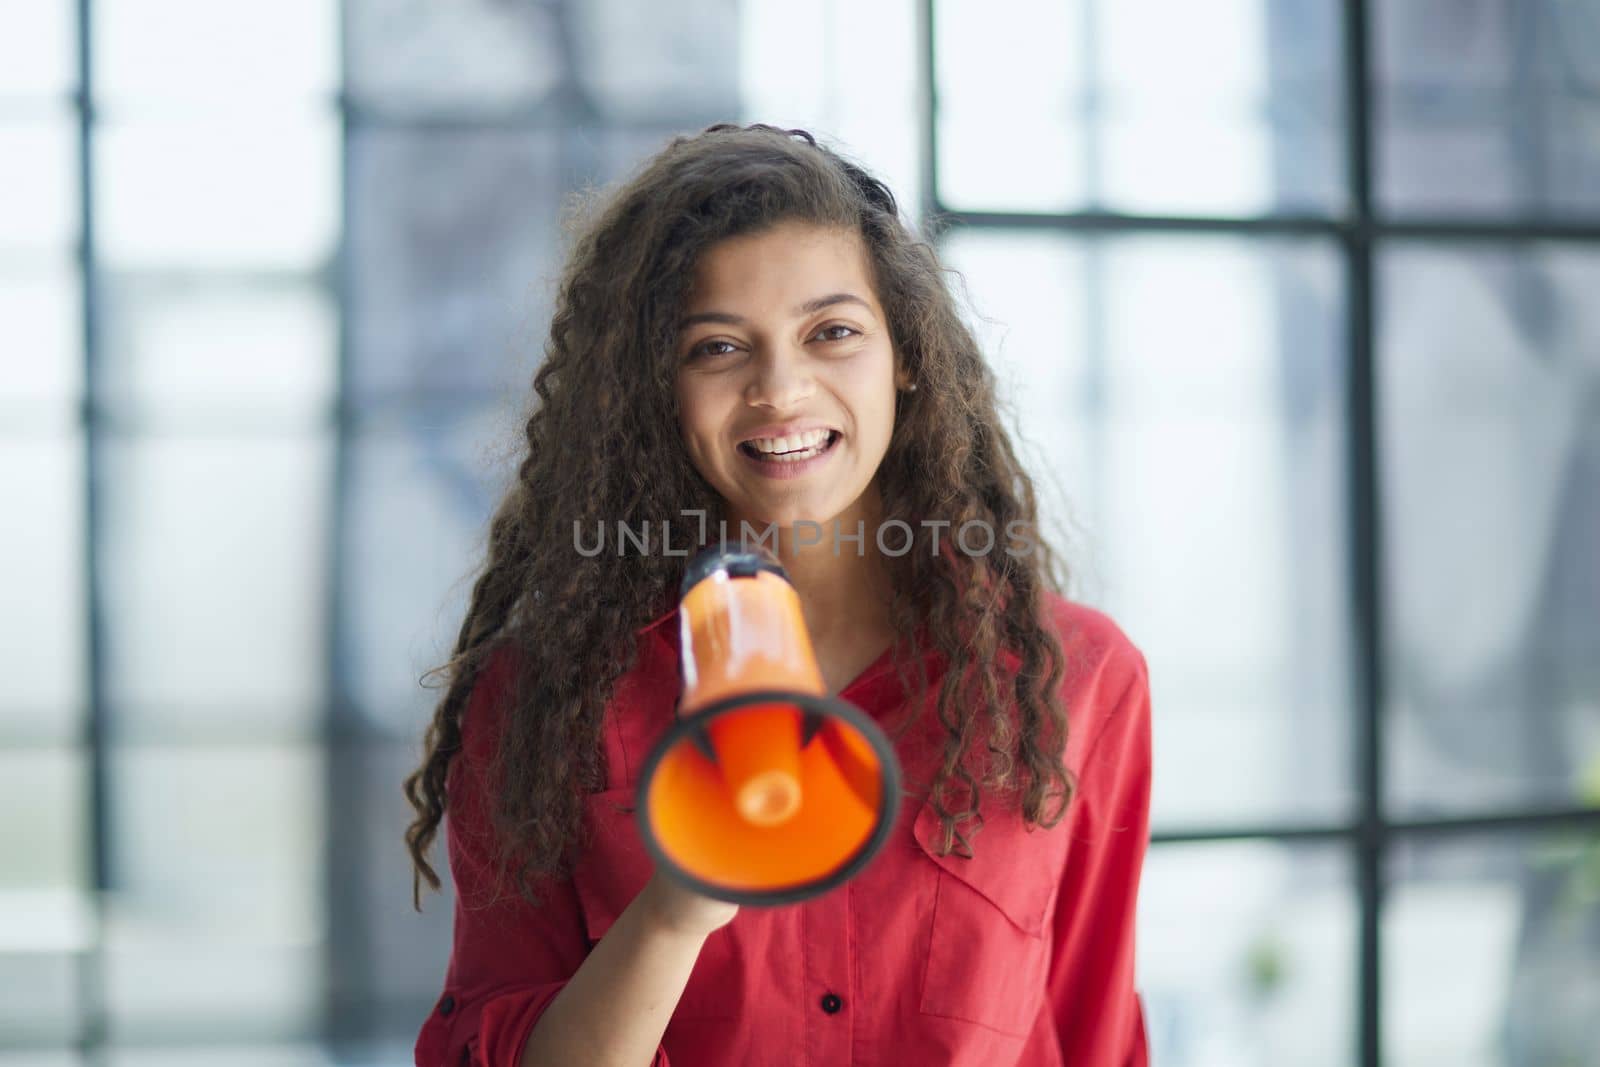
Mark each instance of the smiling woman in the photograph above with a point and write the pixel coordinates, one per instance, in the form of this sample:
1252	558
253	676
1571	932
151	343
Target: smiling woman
788	408
746	330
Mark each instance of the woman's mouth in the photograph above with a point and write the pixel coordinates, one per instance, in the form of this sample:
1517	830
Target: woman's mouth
789	457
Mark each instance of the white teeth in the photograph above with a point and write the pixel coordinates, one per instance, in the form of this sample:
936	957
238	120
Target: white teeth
792	449
792	443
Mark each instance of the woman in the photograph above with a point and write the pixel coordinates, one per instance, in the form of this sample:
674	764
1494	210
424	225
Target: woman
748	340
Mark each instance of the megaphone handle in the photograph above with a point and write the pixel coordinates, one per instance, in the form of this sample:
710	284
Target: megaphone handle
702	741
813	723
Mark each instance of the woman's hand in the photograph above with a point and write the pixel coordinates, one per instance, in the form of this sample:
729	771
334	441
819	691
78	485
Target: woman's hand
684	911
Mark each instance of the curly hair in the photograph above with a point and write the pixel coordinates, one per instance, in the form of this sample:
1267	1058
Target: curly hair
605	396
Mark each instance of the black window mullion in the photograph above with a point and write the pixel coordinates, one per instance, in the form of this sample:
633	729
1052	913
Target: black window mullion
347	951
928	100
93	1022
1366	594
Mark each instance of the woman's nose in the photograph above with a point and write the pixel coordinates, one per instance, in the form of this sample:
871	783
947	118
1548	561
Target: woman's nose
780	378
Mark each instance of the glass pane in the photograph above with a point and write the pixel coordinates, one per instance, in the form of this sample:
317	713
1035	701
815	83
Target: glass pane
1224	419
46	853
1492	951
195	50
462	57
193	1054
262	193
391	955
1490	387
659	61
213	347
45	914
40	1005
1487	108
216	923
39	173
1231	108
43	315
452	291
1012	143
1202	449
1246	955
42	655
40	1057
858	93
215	570
421	493
38	48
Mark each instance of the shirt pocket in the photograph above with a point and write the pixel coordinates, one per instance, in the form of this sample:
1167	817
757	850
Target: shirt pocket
989	948
612	871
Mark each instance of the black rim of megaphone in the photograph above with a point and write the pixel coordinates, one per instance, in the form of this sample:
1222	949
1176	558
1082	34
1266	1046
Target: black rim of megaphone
744	561
685	730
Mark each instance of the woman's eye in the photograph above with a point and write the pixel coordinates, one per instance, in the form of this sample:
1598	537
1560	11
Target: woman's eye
706	348
703	349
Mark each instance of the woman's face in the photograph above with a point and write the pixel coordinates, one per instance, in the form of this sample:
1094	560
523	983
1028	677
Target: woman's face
786	378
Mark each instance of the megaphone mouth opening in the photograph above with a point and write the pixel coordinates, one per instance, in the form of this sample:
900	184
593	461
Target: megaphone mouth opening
817	711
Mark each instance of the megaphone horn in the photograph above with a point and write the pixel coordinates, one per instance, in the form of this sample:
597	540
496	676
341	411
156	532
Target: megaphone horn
766	790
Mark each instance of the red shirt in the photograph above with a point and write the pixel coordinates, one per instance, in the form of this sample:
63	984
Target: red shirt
1021	955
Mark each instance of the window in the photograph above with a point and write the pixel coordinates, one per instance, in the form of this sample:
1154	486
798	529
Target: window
1288	296
1291	299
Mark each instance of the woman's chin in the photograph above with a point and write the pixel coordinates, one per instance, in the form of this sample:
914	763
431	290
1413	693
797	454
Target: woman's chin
807	517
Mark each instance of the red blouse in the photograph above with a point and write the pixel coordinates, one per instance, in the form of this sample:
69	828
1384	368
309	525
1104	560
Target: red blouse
1023	954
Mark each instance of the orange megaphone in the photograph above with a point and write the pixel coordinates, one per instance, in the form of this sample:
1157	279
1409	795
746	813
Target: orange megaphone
766	790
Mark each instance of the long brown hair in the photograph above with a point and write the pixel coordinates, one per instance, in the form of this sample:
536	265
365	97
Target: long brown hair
605	399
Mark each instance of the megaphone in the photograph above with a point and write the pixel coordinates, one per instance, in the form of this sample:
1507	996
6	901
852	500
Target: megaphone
766	790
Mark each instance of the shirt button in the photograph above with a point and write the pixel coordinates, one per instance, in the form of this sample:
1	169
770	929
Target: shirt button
831	1003
447	1005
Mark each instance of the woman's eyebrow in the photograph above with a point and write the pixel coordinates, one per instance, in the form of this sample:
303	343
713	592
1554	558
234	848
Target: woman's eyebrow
808	308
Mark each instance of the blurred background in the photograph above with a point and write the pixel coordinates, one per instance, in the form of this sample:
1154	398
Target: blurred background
1288	296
